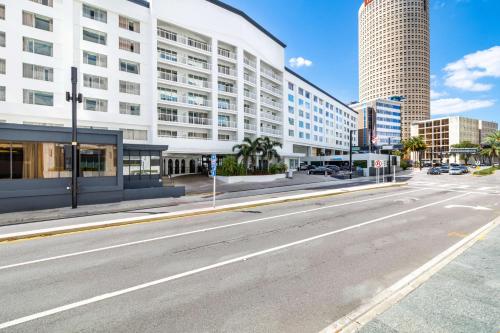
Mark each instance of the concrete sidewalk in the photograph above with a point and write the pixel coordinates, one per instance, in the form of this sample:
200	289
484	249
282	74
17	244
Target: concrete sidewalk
464	296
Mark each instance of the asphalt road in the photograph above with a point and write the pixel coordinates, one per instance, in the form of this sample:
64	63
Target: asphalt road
293	267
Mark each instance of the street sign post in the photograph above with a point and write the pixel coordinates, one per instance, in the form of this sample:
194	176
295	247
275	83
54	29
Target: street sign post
378	164
213	172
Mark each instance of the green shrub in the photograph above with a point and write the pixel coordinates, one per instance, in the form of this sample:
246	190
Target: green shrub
405	164
231	167
277	168
362	164
487	171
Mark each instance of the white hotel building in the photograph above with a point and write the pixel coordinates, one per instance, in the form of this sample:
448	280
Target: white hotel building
196	75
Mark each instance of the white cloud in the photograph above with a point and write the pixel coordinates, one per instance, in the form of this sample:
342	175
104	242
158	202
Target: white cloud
437	94
458	105
464	73
299	62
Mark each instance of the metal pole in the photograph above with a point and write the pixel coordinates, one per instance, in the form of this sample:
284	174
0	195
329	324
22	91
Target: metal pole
350	154
213	199
74	139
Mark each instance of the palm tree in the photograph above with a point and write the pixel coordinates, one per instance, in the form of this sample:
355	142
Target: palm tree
415	144
493	146
268	150
248	151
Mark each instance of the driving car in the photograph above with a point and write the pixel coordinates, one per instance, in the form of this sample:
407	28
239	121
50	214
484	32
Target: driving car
456	171
434	171
321	171
444	168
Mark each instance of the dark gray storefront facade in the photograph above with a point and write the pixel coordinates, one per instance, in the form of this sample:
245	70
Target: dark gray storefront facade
35	168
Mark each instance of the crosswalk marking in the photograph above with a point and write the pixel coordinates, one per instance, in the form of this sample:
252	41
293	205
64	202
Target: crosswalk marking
456	186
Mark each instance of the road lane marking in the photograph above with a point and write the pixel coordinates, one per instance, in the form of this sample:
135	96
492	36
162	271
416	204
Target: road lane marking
470	207
73	254
209	267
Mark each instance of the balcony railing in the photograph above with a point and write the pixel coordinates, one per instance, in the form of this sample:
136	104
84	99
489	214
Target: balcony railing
184	40
270	116
183	80
184	136
271	88
250	111
184	119
227	89
250	127
226	54
270	103
183	99
227	71
271	131
270	73
184	60
227	107
227	124
250	78
249	94
250	63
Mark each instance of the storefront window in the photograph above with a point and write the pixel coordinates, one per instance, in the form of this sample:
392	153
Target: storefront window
145	163
155	163
97	160
4	160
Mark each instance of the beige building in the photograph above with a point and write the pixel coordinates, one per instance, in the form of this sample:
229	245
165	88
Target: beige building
394	55
440	134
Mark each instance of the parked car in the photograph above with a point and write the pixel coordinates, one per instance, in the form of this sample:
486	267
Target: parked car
321	171
444	168
305	167
427	164
465	169
456	171
434	171
333	167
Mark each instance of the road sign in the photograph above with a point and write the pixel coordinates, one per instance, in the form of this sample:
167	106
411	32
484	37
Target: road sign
213	162
478	163
387	147
379	164
356	148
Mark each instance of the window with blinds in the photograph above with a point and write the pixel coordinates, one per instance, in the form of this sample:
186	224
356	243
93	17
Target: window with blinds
129	24
95	59
134	134
2	12
130	87
94	81
129	45
38	97
94	13
2	39
37	72
130	109
95	104
37	21
2	93
2	66
37	46
48	3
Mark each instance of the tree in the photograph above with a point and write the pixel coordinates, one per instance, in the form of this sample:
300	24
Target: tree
248	151
268	151
492	146
415	144
466	144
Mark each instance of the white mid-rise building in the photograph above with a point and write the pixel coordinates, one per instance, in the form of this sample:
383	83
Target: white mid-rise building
196	75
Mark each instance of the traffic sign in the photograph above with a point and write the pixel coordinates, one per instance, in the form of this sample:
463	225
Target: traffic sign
356	148
379	164
213	162
387	147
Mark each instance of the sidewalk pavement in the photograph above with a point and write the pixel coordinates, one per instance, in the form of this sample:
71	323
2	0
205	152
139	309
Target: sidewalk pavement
464	296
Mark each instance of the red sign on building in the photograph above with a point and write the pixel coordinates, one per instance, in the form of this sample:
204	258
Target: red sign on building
367	2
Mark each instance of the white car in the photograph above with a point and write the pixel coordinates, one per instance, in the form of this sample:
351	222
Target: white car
456	171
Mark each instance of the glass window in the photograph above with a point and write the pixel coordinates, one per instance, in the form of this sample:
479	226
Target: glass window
290	85
155	163
37	72
2	39
2	93
3	67
94	13
94	81
130	87
95	59
97	160
129	45
95	104
4	160
2	12
38	97
37	46
129	24
130	109
290	97
44	2
129	66
37	21
94	36
145	163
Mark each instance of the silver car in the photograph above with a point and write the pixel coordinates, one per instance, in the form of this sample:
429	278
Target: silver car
456	171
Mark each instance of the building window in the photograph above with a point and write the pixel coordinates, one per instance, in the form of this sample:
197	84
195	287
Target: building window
133	134
129	45
95	59
130	109
94	81
94	36
38	97
95	104
94	13
37	72
97	160
2	39
290	85
129	24
129	66
44	2
291	133
2	66
2	12
130	87
37	21
2	93
37	46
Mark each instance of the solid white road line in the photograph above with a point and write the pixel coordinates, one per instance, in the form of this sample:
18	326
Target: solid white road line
206	268
73	254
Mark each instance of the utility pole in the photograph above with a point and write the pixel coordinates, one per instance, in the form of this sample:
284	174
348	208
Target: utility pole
350	154
74	98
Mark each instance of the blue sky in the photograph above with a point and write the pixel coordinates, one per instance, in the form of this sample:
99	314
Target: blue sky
465	48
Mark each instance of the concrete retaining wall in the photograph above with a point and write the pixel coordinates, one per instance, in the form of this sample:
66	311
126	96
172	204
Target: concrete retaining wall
250	179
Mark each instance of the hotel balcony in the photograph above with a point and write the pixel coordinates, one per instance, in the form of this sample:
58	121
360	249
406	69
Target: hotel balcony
252	112
227	55
270	89
228	125
183	41
183	61
227	90
229	72
189	136
271	75
249	79
271	131
250	95
250	128
228	108
184	120
271	117
184	100
270	103
250	63
183	81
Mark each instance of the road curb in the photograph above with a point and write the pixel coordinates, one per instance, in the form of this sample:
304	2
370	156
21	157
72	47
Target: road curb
395	293
186	213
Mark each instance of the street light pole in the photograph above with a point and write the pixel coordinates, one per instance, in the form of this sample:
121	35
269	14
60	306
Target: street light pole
74	98
350	154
